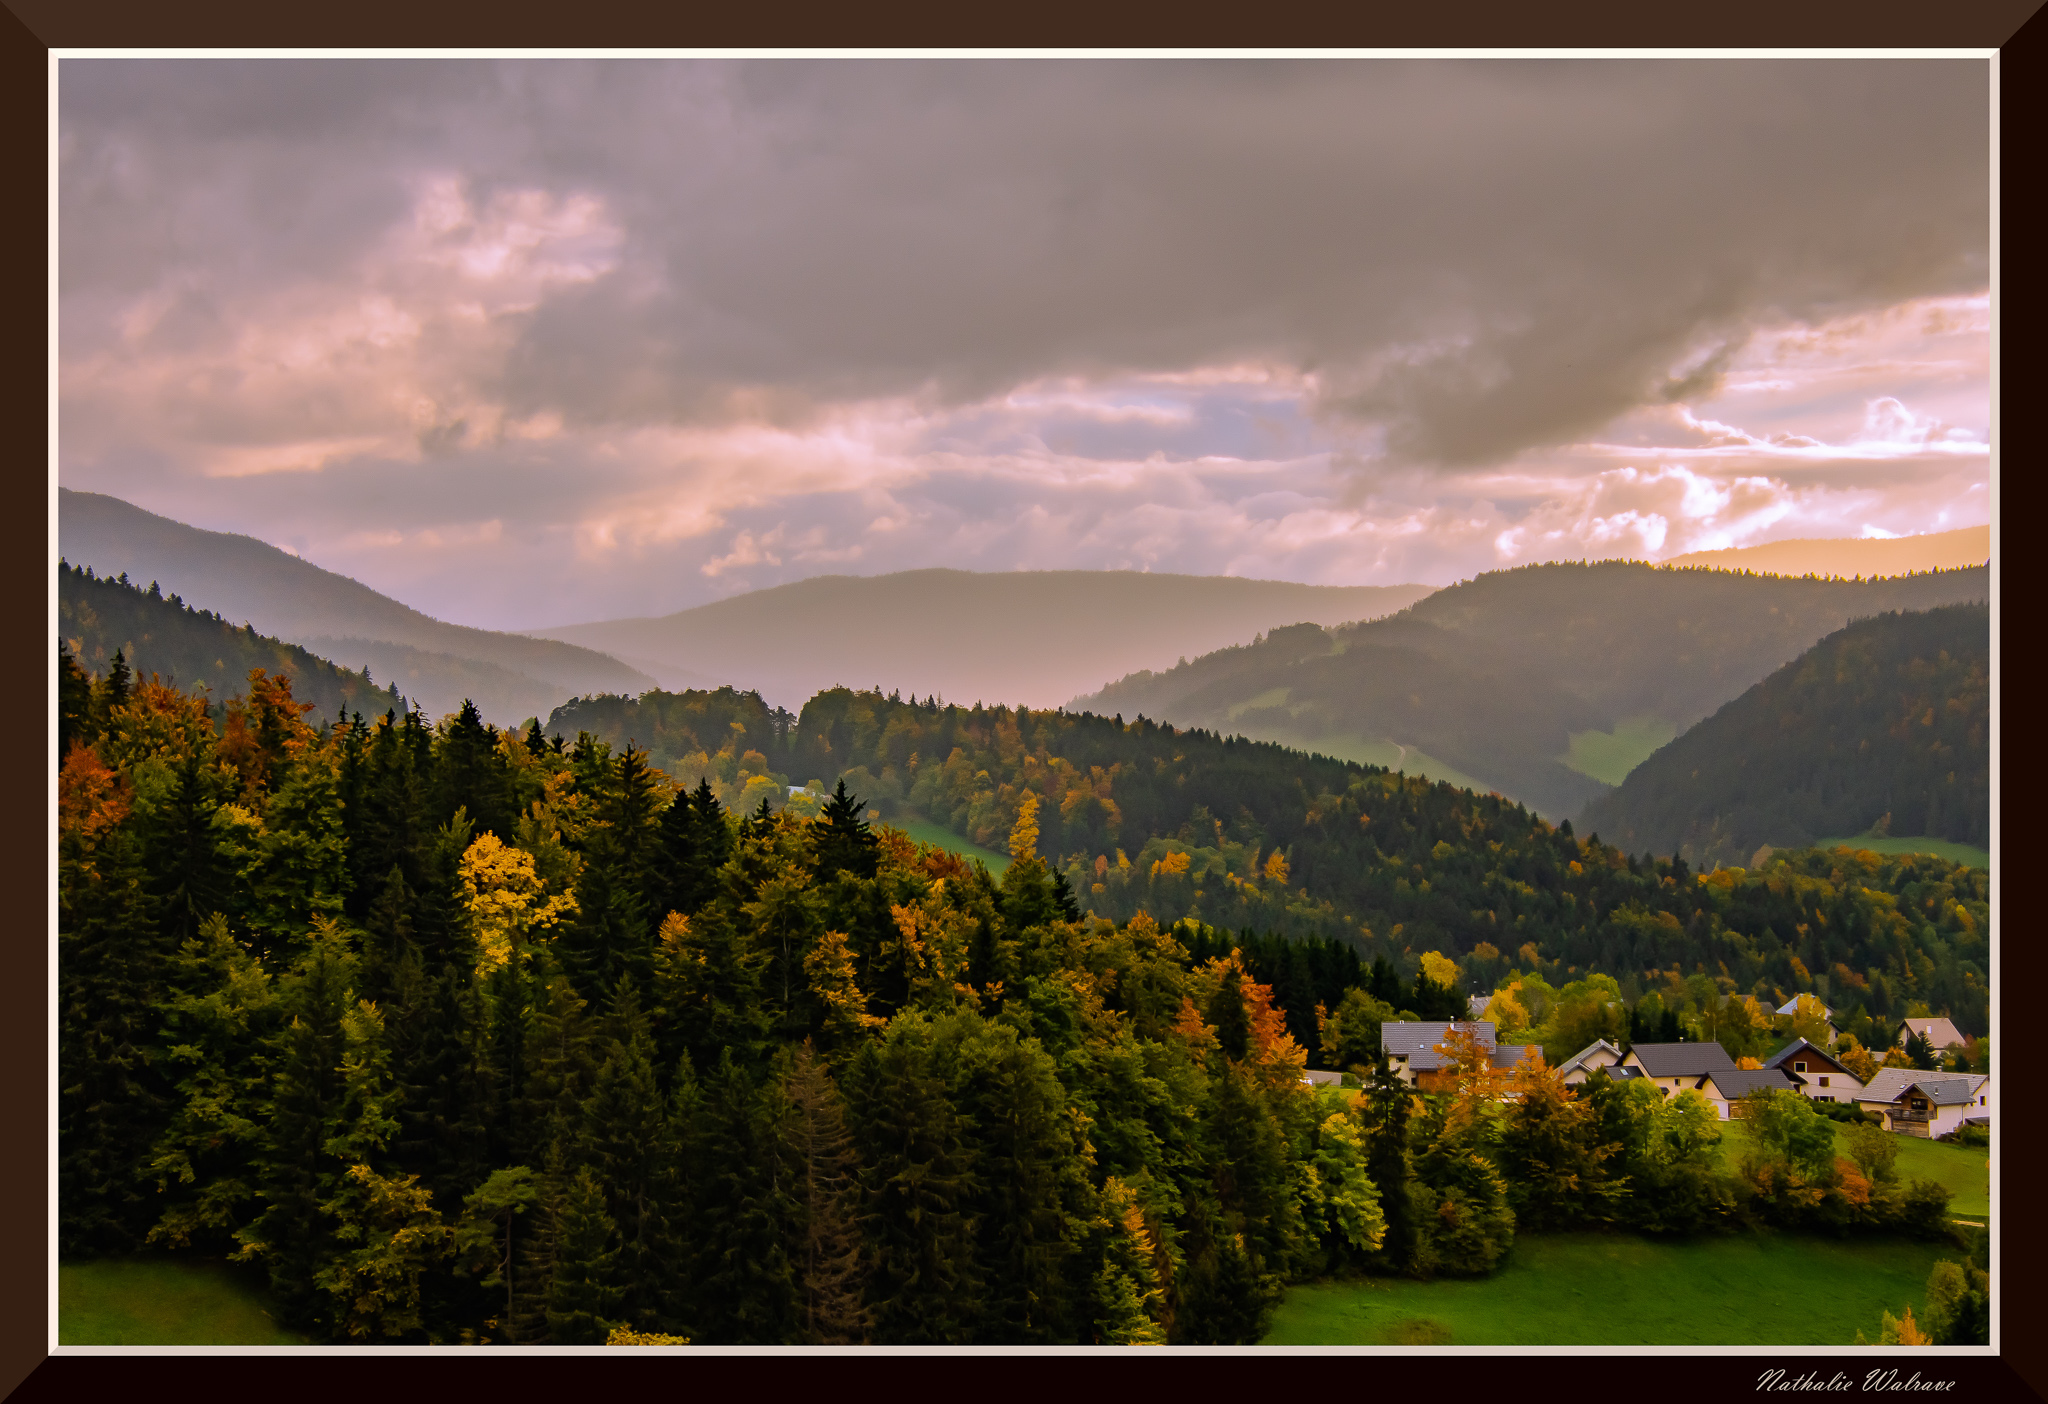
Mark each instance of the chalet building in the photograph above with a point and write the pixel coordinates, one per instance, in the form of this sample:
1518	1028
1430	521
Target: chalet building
1415	1051
1940	1033
1593	1057
1676	1067
1724	1087
1815	1072
1931	1104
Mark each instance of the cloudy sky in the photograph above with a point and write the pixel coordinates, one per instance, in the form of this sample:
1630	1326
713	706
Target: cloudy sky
532	343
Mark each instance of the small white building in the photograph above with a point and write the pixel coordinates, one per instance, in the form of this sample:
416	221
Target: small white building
1940	1033
1583	1064
1723	1087
1676	1067
1930	1104
1815	1072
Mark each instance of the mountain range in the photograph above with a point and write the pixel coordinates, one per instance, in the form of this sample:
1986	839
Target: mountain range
1882	726
509	676
1034	638
1547	683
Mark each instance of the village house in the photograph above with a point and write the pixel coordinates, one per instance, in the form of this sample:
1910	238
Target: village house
1816	1072
1940	1033
1791	1007
1724	1087
1675	1067
1415	1051
1930	1104
1594	1056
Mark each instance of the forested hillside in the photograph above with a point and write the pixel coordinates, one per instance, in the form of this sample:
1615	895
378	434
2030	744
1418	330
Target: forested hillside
1497	675
509	676
472	1036
1139	817
194	649
1886	723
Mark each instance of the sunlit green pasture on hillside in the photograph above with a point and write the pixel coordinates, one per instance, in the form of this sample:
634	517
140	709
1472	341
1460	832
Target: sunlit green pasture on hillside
1941	848
164	1301
1620	1289
925	831
1610	755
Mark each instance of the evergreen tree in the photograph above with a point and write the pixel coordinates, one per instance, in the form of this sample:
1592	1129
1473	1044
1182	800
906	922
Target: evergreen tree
830	1258
584	1296
917	1176
843	838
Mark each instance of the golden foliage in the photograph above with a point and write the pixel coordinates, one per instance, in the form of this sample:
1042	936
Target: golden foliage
506	900
1024	834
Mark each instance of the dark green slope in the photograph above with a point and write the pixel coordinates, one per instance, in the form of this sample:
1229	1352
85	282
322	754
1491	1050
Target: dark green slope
510	676
1886	722
189	649
1495	676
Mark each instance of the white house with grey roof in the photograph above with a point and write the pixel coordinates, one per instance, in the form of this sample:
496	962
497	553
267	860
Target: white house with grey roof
1932	1104
1415	1050
1594	1056
1677	1067
1940	1033
1724	1087
1815	1072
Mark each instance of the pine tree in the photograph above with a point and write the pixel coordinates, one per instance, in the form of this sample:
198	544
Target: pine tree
843	838
831	1258
917	1178
584	1295
1226	1013
111	1101
746	1280
627	1141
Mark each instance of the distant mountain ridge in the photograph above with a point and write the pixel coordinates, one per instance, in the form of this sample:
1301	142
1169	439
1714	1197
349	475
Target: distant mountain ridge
1011	637
1848	557
1886	722
1495	679
509	676
190	649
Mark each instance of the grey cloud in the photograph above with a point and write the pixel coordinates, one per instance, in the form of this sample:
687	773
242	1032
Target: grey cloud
1558	238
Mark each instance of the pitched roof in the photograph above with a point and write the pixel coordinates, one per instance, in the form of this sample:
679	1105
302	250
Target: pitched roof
1940	1033
1791	1006
1476	1005
1804	1049
1417	1041
1732	1082
1507	1055
1682	1059
1890	1084
1578	1059
1317	1078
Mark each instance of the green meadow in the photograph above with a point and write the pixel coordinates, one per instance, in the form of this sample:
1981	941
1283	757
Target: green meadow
925	831
1940	848
1966	1171
1619	1289
1610	755
164	1301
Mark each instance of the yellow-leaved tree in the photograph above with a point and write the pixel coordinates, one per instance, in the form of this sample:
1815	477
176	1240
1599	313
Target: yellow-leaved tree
1276	868
1441	970
1024	834
507	901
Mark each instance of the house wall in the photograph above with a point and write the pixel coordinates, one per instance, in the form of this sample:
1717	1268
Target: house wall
1842	1086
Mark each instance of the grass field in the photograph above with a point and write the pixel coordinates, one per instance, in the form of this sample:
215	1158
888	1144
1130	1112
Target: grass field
1610	755
1966	1172
1940	848
925	831
163	1301
1598	1289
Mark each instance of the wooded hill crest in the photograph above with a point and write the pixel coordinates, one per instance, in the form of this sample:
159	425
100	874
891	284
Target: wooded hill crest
1499	681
